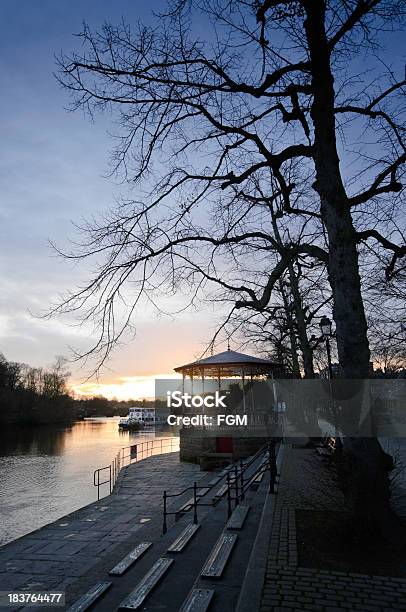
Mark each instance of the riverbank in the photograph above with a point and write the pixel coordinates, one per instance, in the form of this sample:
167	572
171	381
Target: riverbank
47	472
65	554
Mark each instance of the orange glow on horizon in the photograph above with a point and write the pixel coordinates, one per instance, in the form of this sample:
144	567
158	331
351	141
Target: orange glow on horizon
125	388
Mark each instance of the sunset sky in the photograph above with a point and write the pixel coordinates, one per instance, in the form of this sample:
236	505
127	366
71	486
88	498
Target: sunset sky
53	164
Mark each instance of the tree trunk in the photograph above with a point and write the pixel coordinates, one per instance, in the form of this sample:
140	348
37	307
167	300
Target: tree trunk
292	334
367	481
305	348
349	315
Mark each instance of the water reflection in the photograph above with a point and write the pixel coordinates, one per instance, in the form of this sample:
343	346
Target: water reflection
32	441
46	472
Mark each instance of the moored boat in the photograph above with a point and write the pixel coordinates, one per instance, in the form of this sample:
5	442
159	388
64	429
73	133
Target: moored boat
139	417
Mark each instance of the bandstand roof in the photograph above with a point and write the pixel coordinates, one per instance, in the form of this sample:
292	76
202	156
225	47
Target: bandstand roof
227	363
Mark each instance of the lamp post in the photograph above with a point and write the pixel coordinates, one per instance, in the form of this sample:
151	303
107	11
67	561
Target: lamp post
325	326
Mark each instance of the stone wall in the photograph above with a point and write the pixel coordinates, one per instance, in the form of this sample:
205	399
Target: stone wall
194	446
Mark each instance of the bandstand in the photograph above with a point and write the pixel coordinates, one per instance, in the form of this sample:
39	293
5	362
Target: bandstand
216	446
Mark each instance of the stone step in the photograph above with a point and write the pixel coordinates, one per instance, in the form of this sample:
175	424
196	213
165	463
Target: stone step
136	598
202	491
123	565
236	520
218	557
90	597
185	536
214	481
198	600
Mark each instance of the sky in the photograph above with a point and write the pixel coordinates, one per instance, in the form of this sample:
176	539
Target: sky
53	172
53	167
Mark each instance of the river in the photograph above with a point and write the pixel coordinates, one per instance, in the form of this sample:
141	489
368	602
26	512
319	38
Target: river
47	472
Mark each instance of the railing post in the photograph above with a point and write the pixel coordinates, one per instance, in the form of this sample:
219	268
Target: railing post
164	526
110	477
272	467
229	510
236	485
194	503
242	479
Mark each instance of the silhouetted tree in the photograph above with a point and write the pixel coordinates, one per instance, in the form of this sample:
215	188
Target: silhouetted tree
271	103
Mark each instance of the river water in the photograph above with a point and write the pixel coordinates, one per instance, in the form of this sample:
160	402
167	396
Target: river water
47	472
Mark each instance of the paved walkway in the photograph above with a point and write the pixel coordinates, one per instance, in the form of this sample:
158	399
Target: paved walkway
61	553
289	587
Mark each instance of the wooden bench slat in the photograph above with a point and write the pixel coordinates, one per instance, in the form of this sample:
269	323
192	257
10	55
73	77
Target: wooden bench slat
135	599
198	600
219	556
183	538
123	565
237	519
90	597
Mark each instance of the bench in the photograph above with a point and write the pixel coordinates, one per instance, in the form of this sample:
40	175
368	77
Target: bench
185	508
258	479
183	538
222	490
198	600
137	597
132	557
90	597
237	519
217	560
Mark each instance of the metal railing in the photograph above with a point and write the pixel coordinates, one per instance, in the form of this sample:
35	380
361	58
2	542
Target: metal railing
236	481
131	454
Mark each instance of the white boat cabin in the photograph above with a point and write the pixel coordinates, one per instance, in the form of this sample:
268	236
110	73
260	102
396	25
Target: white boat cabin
142	415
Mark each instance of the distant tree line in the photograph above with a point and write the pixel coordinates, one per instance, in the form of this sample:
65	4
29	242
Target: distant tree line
37	396
101	406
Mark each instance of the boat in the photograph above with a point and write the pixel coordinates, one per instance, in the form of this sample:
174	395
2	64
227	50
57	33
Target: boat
139	417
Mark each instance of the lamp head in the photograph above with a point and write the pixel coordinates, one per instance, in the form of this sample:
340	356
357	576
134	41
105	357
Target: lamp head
325	326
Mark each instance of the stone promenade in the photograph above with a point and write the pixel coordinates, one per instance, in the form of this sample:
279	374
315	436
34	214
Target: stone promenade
63	553
290	587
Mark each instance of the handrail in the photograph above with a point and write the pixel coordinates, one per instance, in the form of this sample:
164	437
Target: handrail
237	480
133	453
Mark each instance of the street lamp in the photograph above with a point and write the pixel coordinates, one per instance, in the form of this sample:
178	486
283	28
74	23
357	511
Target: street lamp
325	326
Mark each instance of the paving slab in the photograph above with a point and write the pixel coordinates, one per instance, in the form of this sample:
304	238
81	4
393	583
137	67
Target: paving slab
70	547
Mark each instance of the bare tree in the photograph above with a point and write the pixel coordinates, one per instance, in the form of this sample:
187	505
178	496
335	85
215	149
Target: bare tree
273	97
